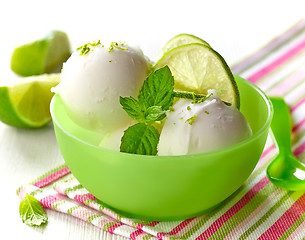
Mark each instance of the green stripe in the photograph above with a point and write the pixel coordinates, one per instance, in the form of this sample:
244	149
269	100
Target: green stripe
266	77
297	99
147	237
235	197
92	217
72	189
101	206
241	215
297	86
297	138
63	181
108	225
70	210
287	196
268	53
293	227
36	191
301	157
56	204
46	174
88	201
284	77
144	222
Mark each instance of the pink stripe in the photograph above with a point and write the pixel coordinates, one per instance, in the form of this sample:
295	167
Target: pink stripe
294	108
110	213
82	213
299	150
115	226
135	234
273	44
176	229
298	125
152	224
49	200
297	105
82	198
234	209
52	177
267	69
103	222
252	215
265	158
286	220
291	81
297	232
268	150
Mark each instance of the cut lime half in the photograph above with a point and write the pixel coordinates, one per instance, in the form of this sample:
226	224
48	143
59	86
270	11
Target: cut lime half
27	104
42	56
198	68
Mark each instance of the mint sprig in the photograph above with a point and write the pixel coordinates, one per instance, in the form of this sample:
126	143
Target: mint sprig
32	212
155	97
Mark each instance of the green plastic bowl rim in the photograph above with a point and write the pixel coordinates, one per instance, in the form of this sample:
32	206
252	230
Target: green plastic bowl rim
206	154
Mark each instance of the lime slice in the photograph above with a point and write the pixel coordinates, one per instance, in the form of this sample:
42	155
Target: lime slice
27	104
182	39
42	56
197	68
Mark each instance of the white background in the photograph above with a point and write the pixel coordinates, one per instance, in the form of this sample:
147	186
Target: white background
234	28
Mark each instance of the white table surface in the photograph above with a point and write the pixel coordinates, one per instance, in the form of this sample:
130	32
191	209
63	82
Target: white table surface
234	28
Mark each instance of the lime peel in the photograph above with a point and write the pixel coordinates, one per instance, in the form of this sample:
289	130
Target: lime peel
182	39
26	105
198	68
45	55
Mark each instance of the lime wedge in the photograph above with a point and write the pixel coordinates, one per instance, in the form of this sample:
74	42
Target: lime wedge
27	104
42	56
182	39
198	68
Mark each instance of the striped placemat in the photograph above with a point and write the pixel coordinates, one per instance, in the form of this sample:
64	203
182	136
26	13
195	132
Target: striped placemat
258	210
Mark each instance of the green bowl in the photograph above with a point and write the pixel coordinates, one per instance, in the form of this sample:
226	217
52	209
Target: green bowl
164	187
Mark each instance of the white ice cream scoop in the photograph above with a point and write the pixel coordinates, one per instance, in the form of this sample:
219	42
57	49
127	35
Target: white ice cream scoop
202	127
92	83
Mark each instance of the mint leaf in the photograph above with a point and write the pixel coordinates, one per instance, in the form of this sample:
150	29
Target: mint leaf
140	139
132	108
32	212
158	89
154	113
155	97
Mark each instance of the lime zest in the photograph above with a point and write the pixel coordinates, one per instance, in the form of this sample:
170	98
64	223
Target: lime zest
171	109
118	45
191	120
86	48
